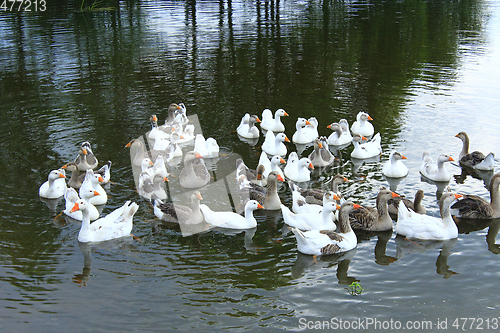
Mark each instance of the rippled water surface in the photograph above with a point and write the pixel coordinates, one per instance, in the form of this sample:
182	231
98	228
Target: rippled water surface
423	71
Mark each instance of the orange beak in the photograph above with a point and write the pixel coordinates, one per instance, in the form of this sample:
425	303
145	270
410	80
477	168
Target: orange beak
259	177
282	160
258	120
356	206
61	175
260	206
280	178
451	159
338	206
363	137
181	137
198	155
320	145
286	114
311	166
458	196
178	107
370	118
165	179
335	197
128	144
287	139
346	180
199	196
395	195
329	126
403	157
155	119
85	152
65	166
75	208
308	122
101	179
151	162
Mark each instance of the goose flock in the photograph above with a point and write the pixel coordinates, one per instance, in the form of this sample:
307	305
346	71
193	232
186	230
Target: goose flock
323	221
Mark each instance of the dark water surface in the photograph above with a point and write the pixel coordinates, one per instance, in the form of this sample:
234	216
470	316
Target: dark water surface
423	70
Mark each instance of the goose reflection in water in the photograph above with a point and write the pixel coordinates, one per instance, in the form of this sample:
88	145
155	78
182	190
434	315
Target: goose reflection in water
383	237
466	226
82	279
342	260
406	246
51	205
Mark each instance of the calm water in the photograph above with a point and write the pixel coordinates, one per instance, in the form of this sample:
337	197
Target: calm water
423	71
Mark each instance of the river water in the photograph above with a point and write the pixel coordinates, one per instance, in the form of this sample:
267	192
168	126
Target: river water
424	71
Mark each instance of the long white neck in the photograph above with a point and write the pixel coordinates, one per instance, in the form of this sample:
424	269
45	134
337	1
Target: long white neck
249	218
85	224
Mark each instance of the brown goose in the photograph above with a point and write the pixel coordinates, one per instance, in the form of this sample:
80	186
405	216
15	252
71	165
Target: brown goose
77	176
86	159
469	160
255	176
415	205
321	156
315	196
195	173
266	196
475	207
371	219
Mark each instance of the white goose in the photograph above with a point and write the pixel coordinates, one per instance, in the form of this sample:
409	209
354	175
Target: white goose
300	135
55	186
298	170
232	220
71	197
346	133
271	165
414	225
337	138
394	167
273	124
247	128
368	149
186	132
116	224
324	242
311	129
206	148
273	145
321	220
362	126
435	171
91	182
156	133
